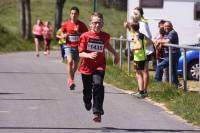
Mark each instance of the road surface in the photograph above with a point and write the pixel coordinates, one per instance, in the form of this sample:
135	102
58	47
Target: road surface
34	99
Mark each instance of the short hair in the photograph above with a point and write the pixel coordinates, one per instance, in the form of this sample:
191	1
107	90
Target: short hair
140	10
170	23
97	14
75	8
161	22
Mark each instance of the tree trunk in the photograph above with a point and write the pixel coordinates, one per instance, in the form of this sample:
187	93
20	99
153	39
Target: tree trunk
25	19
119	4
122	4
28	20
58	14
22	18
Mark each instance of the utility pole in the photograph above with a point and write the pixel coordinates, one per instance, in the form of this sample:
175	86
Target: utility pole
94	5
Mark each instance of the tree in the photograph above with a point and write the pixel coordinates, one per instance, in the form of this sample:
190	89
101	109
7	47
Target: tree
58	13
22	18
119	4
25	19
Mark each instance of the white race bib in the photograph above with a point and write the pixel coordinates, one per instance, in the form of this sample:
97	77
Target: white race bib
95	46
73	38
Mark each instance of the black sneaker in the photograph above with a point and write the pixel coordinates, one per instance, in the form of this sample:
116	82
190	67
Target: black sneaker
97	118
72	86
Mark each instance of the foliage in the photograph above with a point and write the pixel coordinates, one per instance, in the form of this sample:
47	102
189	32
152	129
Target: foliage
10	42
45	10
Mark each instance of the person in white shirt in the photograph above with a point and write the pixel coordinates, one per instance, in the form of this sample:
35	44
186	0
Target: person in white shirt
150	51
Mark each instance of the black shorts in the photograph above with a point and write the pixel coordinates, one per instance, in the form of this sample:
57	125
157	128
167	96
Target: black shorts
139	65
39	37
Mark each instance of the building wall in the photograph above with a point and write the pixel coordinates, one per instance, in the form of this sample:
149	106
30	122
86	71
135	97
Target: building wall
179	12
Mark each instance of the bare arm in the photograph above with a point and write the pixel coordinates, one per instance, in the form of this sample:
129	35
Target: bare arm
127	25
33	30
116	56
91	55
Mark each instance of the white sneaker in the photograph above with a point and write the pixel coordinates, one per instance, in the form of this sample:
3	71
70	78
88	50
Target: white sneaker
45	53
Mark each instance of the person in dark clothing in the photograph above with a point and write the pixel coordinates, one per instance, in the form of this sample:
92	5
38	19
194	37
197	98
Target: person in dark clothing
171	36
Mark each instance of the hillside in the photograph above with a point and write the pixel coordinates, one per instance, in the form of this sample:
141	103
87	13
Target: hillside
44	9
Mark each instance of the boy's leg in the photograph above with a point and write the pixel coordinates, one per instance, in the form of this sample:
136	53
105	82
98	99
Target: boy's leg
98	95
69	67
146	75
75	57
87	90
98	92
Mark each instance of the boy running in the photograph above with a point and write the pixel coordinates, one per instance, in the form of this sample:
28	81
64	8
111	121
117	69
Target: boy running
72	28
93	64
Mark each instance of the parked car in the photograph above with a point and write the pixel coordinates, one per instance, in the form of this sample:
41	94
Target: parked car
192	61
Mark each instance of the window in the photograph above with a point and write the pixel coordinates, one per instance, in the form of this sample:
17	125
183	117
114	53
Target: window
151	3
197	11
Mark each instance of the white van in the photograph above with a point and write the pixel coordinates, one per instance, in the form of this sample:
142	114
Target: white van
184	15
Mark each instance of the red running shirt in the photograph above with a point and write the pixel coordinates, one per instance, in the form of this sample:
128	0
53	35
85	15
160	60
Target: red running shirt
70	28
93	42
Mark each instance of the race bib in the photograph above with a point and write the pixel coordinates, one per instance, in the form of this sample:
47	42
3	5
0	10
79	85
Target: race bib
73	38
95	45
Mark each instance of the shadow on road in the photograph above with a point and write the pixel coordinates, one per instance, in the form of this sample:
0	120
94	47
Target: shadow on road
103	129
31	73
6	93
30	99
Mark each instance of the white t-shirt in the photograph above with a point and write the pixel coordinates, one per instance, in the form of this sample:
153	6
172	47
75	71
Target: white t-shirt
144	28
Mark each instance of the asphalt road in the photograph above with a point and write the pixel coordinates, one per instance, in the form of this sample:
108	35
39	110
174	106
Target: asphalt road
34	99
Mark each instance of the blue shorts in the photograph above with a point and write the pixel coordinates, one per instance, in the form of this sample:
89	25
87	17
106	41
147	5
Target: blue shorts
71	51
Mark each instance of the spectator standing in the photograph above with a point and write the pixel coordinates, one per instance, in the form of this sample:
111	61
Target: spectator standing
138	16
160	49
160	35
171	36
72	28
93	64
140	42
38	35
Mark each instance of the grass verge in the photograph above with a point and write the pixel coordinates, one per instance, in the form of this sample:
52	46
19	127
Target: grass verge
184	104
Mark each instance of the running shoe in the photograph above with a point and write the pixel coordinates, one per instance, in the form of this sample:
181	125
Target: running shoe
145	94
139	95
37	55
97	118
71	84
48	52
45	53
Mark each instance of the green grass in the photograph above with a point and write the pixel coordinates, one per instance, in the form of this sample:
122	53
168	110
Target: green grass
10	42
45	9
184	104
187	106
